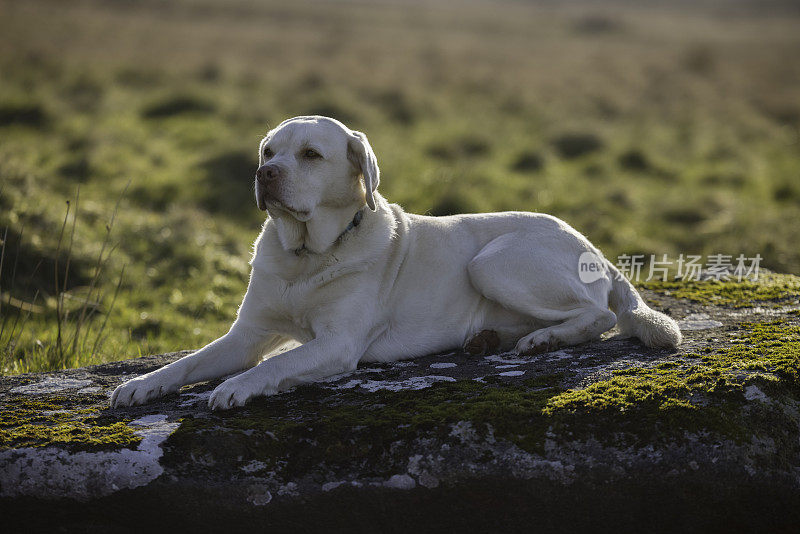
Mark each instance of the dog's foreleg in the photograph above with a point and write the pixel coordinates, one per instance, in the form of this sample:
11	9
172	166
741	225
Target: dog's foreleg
316	359
241	348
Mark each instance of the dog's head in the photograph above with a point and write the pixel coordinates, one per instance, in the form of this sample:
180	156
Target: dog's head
312	162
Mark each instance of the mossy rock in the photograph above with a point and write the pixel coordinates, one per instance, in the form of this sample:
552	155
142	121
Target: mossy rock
55	420
701	438
769	288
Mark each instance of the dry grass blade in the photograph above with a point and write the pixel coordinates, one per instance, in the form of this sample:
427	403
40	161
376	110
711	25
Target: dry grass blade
98	339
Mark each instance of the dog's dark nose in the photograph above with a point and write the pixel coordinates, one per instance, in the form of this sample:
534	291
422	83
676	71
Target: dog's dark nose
268	173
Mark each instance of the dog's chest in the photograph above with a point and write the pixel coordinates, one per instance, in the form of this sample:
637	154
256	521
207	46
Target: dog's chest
288	302
294	306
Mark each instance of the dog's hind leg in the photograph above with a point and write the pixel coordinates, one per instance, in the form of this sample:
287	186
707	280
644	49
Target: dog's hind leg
587	325
537	276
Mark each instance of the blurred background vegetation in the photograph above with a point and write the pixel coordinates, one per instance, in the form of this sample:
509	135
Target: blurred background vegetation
651	129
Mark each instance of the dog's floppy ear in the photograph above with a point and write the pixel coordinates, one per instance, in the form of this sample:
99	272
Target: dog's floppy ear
360	154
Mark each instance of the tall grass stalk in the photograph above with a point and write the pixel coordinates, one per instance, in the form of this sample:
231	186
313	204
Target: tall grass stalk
77	335
100	266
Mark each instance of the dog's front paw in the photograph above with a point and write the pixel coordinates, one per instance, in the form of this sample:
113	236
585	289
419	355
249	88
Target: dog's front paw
237	391
142	389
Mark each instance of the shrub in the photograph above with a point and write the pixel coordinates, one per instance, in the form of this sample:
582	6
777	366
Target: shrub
634	160
575	145
452	204
465	146
22	112
228	184
177	105
528	162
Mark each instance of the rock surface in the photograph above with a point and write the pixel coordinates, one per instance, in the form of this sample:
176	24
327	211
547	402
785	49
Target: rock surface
610	433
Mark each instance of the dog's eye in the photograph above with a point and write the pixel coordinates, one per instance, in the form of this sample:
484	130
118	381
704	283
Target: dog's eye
311	154
268	153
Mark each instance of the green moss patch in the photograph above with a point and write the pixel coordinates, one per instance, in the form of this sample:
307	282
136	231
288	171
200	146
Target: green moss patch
699	391
54	420
744	294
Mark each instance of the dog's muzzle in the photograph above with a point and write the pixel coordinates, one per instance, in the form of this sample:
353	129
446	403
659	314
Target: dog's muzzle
268	180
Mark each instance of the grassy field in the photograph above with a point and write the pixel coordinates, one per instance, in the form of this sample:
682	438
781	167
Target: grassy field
651	130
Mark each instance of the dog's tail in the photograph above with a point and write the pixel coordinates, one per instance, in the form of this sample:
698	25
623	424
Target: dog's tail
635	318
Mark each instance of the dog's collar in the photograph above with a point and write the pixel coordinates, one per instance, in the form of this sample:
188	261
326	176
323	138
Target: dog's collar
355	222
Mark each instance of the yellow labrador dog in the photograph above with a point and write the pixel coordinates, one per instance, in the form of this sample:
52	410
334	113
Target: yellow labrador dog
354	278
